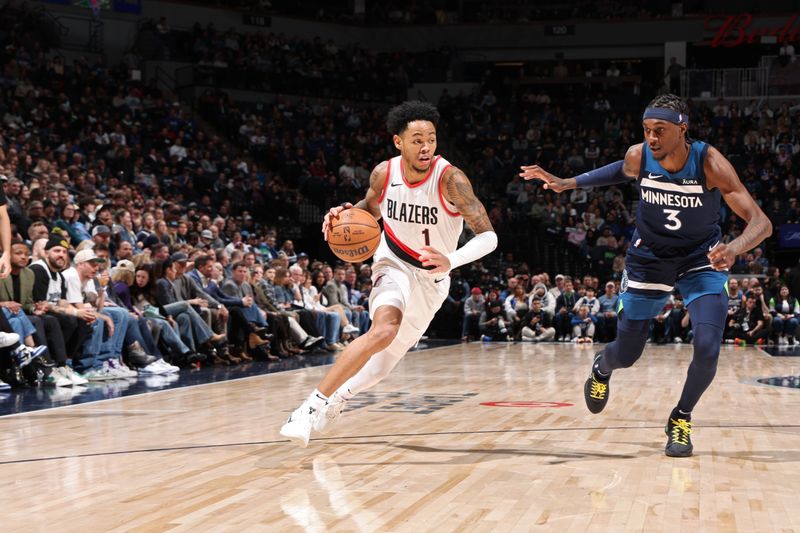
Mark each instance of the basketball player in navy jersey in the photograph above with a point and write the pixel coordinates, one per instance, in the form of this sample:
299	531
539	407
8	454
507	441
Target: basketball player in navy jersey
424	202
676	244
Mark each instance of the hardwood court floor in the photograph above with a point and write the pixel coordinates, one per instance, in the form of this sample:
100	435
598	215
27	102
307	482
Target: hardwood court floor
420	453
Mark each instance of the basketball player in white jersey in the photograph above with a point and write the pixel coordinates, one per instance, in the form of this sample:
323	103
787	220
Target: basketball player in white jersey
424	202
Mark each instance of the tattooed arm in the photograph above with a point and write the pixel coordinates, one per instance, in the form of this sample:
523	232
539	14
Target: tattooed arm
371	202
721	175
458	191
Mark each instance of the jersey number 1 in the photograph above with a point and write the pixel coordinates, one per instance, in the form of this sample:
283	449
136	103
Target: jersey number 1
427	233
672	216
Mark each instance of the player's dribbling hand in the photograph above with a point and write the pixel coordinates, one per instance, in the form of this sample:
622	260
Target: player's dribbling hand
535	172
432	257
5	265
721	257
333	213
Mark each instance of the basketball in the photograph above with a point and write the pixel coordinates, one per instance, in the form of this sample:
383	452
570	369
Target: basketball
354	235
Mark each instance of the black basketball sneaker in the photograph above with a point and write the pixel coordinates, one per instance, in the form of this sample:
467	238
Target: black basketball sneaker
596	390
678	430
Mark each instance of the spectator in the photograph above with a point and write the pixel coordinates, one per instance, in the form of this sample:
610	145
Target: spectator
296	291
16	296
492	323
49	295
265	298
565	303
334	298
785	311
659	327
590	300
101	357
515	307
748	327
248	321
195	332
547	299
673	75
123	278
678	325
583	325
473	307
209	304
537	324
607	314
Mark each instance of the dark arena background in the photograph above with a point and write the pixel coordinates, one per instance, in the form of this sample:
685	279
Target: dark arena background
167	167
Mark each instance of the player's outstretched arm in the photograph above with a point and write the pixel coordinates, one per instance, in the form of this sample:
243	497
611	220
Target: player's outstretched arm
371	202
721	175
612	174
458	191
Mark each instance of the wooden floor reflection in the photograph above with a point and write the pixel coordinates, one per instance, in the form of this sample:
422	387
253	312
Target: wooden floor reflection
421	452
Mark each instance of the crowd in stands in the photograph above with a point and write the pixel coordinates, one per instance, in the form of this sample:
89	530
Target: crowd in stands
525	306
144	243
277	63
465	11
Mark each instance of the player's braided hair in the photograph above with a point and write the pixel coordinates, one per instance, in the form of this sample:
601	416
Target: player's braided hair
399	116
673	102
670	101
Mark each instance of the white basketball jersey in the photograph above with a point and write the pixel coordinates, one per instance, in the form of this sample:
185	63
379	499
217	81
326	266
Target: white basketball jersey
417	215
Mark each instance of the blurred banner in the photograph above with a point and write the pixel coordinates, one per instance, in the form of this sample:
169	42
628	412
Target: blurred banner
789	235
120	6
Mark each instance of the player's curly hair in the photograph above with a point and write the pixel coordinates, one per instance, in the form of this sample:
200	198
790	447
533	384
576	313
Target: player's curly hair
399	116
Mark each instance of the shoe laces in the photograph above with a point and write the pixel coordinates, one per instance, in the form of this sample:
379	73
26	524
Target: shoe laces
599	389
680	430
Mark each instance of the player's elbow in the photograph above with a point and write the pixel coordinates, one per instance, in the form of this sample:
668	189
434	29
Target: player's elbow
489	241
768	226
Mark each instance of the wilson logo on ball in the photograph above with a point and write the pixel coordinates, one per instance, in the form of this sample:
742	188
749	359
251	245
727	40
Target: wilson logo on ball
354	235
353	252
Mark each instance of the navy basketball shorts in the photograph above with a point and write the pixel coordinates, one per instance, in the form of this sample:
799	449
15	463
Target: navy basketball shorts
648	281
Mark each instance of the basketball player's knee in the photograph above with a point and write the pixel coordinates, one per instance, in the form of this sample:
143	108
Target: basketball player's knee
630	342
707	341
382	335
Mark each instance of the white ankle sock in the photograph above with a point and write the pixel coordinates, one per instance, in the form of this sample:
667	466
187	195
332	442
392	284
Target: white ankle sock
344	392
316	400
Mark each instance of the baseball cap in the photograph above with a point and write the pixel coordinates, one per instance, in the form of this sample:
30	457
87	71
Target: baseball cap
179	257
124	264
87	256
102	229
206	234
476	290
302	255
56	240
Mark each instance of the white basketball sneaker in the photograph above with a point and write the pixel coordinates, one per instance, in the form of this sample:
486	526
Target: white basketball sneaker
329	413
301	422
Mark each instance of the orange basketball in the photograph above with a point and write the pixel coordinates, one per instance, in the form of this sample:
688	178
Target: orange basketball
354	235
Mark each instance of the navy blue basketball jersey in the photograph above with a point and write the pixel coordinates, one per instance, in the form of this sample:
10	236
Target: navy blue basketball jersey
677	213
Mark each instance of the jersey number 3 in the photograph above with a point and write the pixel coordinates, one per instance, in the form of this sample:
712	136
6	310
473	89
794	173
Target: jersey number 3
672	217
